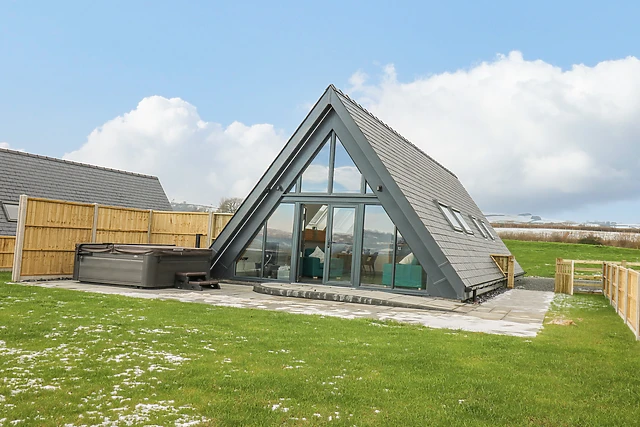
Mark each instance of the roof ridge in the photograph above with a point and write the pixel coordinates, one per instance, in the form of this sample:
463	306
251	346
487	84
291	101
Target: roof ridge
71	162
395	132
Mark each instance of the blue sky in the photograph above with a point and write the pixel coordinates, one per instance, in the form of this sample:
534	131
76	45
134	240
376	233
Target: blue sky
66	68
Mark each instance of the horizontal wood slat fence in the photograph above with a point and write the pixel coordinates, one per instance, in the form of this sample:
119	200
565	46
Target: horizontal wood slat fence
588	273
620	286
618	280
48	231
7	244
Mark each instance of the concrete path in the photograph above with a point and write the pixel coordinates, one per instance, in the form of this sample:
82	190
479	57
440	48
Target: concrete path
516	312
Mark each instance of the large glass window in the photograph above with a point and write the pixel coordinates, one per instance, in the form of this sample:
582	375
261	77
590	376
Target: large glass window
315	178
341	246
249	263
269	255
277	250
314	228
377	247
346	176
409	274
333	161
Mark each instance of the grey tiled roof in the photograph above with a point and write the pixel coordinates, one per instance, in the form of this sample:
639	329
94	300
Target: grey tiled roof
422	180
40	176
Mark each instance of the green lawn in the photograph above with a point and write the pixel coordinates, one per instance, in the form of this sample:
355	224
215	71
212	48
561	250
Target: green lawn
79	359
539	258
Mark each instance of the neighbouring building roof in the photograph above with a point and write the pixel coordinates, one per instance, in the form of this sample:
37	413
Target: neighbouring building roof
47	177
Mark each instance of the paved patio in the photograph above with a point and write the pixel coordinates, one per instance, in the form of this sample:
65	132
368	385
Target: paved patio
516	312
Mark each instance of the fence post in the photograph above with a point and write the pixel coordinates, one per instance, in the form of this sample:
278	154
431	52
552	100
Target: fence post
94	226
637	305
210	229
611	273
19	244
573	271
626	295
511	272
150	227
617	281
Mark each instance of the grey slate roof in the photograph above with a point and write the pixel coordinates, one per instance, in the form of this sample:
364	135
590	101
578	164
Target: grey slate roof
423	180
40	176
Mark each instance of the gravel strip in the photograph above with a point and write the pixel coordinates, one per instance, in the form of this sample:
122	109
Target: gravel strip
535	283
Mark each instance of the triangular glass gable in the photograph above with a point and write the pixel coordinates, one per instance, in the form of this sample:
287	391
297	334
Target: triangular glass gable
381	245
346	176
249	263
368	189
315	178
270	256
408	271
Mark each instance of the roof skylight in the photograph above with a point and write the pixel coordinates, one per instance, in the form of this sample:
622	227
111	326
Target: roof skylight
451	219
10	211
478	226
462	222
487	230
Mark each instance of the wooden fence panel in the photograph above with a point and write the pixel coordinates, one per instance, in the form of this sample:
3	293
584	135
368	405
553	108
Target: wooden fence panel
122	225
51	231
220	220
564	276
623	291
632	297
506	264
180	228
7	244
621	283
48	231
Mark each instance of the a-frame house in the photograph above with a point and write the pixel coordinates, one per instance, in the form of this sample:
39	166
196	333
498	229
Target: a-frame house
349	201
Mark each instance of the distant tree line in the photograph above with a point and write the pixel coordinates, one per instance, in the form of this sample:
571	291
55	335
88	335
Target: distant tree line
227	205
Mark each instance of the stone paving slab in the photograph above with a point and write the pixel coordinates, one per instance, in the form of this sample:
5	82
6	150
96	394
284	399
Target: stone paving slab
524	317
358	296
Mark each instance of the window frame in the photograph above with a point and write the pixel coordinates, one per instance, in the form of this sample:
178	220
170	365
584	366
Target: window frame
451	217
487	230
6	211
332	140
476	222
332	167
458	215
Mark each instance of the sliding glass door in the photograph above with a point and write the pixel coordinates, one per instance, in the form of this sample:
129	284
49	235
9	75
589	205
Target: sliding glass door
340	245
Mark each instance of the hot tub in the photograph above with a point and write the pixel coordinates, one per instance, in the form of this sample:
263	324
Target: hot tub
146	266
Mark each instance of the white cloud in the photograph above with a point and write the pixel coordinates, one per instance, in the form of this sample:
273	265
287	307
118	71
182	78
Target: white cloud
8	146
522	135
196	161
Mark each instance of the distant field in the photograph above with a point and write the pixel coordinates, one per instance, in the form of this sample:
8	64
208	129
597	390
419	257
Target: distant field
539	258
621	239
548	232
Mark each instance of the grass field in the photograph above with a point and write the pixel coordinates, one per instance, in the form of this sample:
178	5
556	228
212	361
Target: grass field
539	258
73	358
